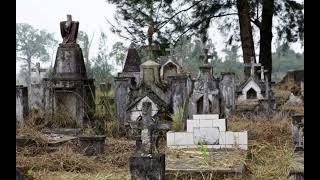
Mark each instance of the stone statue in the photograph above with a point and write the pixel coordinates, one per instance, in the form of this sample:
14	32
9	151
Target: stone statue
69	30
151	31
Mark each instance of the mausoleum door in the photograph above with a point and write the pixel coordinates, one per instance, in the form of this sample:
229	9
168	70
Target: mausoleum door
169	70
251	94
200	106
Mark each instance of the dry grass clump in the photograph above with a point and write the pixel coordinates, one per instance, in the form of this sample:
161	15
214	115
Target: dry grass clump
65	159
267	161
270	144
58	175
68	163
274	130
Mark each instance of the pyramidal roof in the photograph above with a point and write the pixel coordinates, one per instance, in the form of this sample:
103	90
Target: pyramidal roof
132	62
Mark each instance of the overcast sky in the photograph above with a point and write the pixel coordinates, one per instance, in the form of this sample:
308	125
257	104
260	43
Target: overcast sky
46	14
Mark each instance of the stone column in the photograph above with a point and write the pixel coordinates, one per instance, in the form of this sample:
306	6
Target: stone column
22	105
205	99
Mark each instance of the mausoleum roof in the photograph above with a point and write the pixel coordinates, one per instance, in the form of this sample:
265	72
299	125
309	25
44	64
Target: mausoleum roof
132	62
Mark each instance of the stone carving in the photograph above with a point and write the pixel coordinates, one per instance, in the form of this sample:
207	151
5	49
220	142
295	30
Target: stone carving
69	30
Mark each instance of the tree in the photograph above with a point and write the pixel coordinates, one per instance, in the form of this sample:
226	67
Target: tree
175	19
32	44
101	68
118	52
85	44
245	33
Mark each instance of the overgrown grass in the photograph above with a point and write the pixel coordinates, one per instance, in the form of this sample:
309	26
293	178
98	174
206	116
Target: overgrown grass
177	120
270	144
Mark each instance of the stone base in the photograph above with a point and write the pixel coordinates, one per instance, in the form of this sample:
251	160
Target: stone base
92	145
147	168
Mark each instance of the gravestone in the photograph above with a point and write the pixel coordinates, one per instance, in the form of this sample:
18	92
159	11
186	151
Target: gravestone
298	132
145	164
22	105
69	93
36	93
205	95
297	166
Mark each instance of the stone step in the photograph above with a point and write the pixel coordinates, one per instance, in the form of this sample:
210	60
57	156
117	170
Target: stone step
193	123
206	116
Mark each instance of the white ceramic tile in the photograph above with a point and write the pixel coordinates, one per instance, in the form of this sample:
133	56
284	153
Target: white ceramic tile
222	138
206	123
221	123
208	135
183	138
230	138
243	137
206	116
170	138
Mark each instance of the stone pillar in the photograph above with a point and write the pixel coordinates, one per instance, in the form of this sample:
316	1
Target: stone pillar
22	105
146	133
205	99
227	88
122	88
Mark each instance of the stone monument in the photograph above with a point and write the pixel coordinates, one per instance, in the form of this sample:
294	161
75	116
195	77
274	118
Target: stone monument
69	91
145	164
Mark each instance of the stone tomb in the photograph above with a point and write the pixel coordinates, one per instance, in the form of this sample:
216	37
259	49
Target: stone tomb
22	105
69	94
297	166
209	130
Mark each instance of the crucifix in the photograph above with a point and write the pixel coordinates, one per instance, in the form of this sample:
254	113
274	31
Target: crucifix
206	56
262	71
252	65
151	31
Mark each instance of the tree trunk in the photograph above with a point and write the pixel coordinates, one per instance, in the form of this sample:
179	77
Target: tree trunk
245	34
265	57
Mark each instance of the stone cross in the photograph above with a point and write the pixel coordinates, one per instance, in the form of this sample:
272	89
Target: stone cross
69	30
206	56
150	48
252	65
147	128
262	71
170	50
38	71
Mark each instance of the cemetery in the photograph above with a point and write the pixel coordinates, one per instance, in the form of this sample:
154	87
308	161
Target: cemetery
155	119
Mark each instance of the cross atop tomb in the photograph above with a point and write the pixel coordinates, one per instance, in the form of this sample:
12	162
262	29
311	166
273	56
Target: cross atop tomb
206	56
150	47
252	65
147	128
38	70
262	71
170	50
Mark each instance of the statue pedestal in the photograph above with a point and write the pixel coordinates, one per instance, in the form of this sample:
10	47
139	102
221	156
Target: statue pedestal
144	167
69	62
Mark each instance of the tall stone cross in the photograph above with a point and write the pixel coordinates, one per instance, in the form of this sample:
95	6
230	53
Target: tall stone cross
150	48
170	50
147	129
206	56
252	65
262	71
38	71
